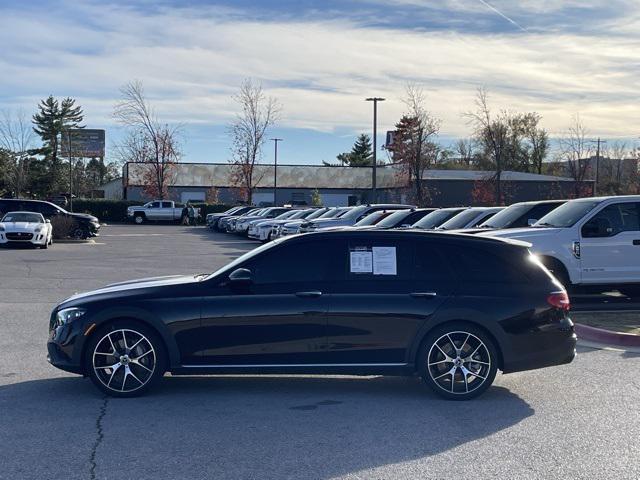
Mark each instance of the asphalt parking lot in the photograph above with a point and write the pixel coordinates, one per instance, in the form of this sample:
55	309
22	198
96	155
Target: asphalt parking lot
575	421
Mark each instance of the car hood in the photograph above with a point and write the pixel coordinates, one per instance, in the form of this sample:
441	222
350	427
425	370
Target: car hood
84	216
526	233
20	226
139	284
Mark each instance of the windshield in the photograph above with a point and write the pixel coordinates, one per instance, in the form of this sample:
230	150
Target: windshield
22	217
370	219
251	213
506	217
567	215
301	214
393	219
461	220
355	212
437	218
334	213
285	215
317	213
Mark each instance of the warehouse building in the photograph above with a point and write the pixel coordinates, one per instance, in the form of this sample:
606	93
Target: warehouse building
341	185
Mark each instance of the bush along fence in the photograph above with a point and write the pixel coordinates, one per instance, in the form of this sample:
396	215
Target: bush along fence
116	210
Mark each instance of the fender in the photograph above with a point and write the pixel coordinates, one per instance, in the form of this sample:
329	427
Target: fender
133	313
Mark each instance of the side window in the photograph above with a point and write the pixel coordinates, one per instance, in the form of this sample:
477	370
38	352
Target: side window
47	210
379	261
480	265
429	264
294	263
483	218
155	205
613	219
166	204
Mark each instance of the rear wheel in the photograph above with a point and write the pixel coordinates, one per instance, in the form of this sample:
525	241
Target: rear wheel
125	359
458	361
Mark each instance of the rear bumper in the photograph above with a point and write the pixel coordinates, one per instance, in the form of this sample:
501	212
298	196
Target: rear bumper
543	348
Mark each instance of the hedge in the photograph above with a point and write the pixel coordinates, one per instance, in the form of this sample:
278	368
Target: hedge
116	210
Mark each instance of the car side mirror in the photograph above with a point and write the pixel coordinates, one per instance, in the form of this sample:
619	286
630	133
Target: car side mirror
47	220
240	276
597	228
531	221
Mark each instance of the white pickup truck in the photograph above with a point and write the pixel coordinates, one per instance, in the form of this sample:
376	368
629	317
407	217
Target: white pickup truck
588	242
156	211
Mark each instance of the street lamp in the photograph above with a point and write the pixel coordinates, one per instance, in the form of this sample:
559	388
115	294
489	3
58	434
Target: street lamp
275	169
375	101
597	174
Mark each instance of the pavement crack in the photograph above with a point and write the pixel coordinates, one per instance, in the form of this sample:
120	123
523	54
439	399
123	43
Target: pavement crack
99	438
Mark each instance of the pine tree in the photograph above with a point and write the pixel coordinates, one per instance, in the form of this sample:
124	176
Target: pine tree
361	153
51	121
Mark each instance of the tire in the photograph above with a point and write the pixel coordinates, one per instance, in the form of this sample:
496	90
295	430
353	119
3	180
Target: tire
443	365
139	219
140	359
79	233
45	245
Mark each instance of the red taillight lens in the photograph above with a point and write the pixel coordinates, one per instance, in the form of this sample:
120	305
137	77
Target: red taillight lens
559	300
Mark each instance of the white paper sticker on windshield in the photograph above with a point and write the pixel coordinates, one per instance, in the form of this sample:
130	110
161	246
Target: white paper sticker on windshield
384	261
361	262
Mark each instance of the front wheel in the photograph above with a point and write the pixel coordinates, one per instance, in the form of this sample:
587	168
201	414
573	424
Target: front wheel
138	219
125	359
458	361
79	233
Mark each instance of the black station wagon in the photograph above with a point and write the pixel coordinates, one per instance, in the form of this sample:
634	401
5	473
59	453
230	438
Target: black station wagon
451	308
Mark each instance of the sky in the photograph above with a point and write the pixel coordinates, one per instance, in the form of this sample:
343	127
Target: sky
321	59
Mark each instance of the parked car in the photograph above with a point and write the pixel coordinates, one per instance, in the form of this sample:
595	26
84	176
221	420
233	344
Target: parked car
253	232
241	225
344	302
291	227
157	211
264	230
404	218
25	227
368	222
437	218
517	215
212	219
224	224
469	218
587	242
351	217
82	225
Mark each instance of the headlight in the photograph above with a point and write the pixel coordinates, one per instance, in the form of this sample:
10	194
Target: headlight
67	315
1	228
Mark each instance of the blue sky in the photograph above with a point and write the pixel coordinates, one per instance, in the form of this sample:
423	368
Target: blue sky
322	58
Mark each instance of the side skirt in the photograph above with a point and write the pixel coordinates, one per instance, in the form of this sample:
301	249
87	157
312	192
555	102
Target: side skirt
394	369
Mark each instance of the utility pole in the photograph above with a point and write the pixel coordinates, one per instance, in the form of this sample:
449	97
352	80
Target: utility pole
597	172
275	169
374	179
70	171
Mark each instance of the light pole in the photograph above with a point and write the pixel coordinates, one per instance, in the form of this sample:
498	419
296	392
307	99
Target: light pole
375	101
70	172
275	169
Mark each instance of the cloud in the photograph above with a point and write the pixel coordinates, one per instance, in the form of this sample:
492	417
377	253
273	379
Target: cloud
192	60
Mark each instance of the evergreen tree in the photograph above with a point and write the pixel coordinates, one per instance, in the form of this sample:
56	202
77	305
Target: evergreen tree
52	120
360	155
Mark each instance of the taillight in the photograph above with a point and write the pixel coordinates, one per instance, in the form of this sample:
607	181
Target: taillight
559	300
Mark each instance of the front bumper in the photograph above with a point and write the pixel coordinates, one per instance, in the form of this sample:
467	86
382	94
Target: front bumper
36	239
65	344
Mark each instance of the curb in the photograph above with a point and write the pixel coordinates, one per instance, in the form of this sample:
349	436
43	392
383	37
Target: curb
600	335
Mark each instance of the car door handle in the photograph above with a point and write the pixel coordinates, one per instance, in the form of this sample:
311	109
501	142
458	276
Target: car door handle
636	242
423	294
310	294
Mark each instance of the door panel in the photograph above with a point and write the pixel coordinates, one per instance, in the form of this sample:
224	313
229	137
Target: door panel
375	318
610	254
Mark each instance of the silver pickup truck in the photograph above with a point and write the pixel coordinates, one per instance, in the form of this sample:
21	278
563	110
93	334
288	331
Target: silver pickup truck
157	211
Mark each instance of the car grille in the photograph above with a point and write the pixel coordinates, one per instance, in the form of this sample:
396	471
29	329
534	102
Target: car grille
19	236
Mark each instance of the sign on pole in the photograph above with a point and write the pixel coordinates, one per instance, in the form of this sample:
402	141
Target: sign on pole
85	142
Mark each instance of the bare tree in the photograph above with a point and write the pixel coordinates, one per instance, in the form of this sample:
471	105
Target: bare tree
258	113
576	149
414	147
16	139
149	142
466	151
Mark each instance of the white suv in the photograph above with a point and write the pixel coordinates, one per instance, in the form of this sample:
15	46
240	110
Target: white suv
589	241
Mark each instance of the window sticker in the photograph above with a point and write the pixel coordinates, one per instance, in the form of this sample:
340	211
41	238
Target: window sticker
361	260
384	261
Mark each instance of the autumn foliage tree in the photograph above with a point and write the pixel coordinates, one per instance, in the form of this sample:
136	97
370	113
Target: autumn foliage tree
148	142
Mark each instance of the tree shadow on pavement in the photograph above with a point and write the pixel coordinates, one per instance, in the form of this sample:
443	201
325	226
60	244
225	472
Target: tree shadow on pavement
248	426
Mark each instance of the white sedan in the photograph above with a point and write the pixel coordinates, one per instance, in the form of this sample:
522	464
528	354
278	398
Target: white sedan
25	227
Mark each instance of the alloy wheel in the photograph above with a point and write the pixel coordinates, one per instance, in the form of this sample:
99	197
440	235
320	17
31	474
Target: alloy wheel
459	362
124	360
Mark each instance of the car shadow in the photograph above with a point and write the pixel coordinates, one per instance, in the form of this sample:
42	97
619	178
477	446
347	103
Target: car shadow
274	426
